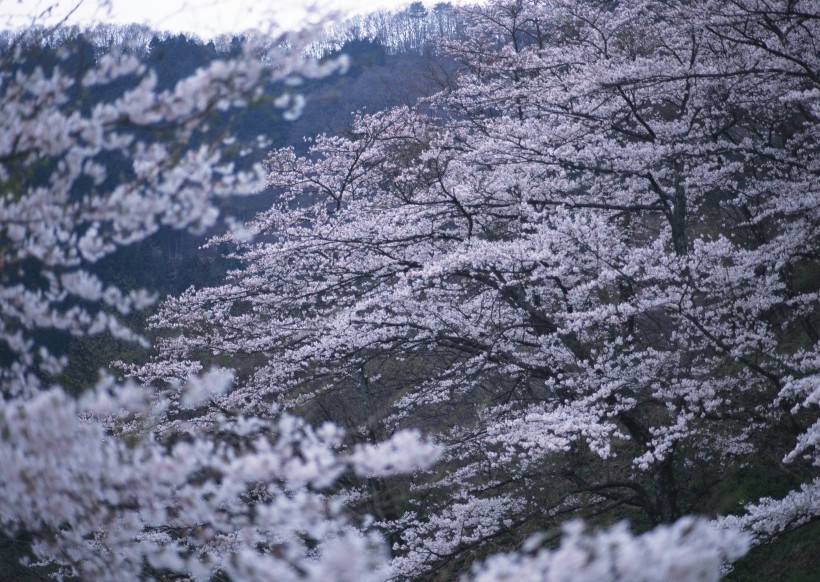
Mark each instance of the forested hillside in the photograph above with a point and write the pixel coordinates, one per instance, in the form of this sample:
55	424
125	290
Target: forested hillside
546	306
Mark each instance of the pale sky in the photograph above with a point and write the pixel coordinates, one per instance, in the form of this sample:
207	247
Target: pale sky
204	17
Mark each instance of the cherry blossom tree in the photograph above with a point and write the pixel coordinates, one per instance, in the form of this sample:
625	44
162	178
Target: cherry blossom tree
590	269
92	159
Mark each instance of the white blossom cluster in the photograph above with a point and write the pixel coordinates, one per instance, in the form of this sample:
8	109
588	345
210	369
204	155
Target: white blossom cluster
250	503
686	551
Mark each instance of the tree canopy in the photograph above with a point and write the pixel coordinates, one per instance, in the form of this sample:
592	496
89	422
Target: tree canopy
93	159
586	271
590	269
